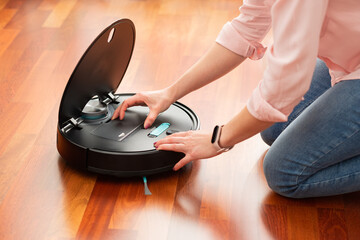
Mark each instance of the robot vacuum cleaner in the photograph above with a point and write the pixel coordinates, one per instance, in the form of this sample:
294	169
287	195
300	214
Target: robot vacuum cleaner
88	139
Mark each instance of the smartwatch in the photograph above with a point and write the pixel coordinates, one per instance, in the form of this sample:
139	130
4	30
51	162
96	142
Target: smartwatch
215	139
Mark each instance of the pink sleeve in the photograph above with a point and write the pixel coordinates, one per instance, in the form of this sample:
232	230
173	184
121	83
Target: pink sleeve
243	34
291	60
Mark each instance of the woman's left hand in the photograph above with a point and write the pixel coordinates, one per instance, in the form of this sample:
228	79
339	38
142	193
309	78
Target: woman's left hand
196	145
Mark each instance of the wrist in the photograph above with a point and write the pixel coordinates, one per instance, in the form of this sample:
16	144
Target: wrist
216	137
171	93
181	87
224	140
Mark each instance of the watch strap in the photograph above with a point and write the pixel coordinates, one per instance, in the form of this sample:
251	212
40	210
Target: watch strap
215	139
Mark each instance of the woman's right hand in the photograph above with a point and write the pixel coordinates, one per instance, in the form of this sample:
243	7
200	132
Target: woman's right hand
157	101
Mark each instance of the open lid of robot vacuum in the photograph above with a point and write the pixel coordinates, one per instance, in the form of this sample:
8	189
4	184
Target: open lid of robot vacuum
100	70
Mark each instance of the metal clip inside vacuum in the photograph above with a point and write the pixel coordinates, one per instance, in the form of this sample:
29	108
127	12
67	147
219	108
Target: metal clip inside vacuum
71	124
110	98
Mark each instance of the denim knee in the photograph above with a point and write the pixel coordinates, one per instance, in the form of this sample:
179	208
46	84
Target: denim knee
278	178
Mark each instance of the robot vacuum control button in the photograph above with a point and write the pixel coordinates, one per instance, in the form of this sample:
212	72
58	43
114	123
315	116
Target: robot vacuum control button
159	130
169	132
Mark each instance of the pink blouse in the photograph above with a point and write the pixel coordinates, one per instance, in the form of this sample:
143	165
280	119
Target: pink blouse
302	30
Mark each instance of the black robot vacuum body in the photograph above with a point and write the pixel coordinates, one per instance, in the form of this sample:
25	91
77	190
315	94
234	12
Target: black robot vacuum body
88	139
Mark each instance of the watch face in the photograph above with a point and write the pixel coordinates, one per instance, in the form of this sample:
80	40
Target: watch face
215	133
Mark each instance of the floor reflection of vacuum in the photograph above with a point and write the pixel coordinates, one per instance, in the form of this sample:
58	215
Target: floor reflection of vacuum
88	139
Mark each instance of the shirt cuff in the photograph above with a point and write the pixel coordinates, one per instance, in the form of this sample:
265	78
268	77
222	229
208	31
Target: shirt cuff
262	110
231	39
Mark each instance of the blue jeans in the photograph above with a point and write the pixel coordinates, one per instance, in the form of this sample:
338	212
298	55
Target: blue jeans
317	152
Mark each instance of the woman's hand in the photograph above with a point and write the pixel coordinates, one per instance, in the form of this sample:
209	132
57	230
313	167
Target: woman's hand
157	101
196	145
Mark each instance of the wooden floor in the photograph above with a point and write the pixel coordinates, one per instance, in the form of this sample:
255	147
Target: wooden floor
223	198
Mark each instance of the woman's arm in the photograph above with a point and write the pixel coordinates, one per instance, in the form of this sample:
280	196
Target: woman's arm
243	126
214	64
238	40
197	145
